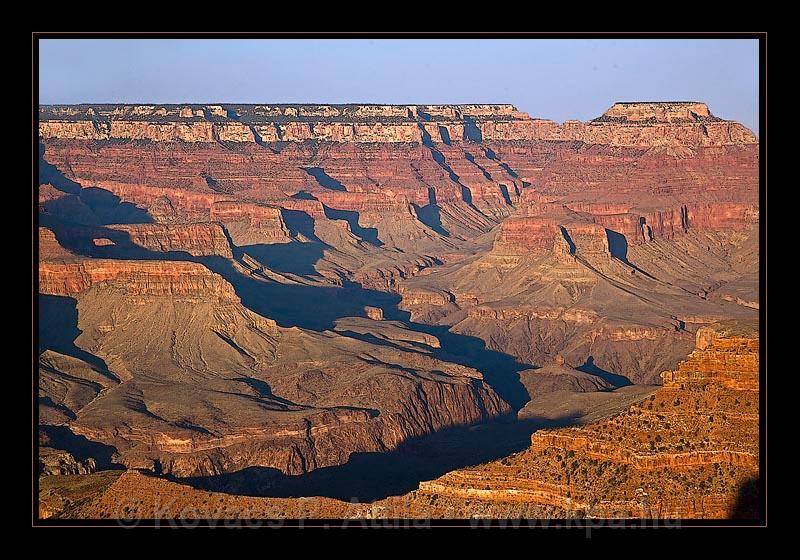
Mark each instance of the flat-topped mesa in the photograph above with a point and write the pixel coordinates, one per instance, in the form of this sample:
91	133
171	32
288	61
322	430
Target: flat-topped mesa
640	124
658	112
200	239
627	124
135	278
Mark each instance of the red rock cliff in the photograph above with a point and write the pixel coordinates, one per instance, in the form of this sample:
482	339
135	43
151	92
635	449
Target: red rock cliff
684	452
154	278
195	239
635	124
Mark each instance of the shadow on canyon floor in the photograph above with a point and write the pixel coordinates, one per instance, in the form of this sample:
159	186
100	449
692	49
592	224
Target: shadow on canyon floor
367	235
300	223
50	174
319	307
295	258
313	307
615	379
61	437
500	370
373	476
431	214
93	205
58	329
324	180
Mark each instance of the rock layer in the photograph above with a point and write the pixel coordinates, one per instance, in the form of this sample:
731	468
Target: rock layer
688	451
213	282
642	124
685	452
200	385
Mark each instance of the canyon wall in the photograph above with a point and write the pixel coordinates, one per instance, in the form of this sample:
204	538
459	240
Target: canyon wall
625	124
221	273
539	229
155	278
685	452
193	383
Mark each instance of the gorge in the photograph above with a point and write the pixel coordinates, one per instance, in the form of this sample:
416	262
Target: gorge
457	306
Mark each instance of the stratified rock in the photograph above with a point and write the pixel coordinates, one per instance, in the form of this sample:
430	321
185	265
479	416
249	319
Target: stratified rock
375	313
610	242
134	278
641	123
195	239
207	387
687	451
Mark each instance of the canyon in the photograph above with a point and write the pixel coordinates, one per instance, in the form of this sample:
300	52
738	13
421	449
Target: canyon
689	450
255	302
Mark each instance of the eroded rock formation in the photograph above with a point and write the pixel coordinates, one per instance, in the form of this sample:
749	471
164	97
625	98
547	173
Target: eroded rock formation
685	452
244	286
183	379
639	123
688	450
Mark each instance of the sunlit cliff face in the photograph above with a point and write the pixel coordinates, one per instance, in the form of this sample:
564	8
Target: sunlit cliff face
294	288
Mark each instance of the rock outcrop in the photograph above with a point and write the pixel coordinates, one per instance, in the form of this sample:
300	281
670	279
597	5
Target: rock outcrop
557	376
229	287
727	356
195	239
688	450
49	247
196	384
640	124
55	462
684	452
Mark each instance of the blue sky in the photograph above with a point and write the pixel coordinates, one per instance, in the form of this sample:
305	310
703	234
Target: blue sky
558	79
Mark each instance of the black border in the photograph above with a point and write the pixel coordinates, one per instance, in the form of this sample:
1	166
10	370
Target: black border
572	526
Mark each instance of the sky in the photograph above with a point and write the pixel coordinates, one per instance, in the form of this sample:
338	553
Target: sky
558	79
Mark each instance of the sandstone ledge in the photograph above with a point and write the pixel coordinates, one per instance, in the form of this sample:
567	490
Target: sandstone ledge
625	124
